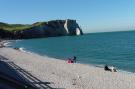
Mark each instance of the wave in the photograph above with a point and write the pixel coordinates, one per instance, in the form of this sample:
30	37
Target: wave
6	43
22	49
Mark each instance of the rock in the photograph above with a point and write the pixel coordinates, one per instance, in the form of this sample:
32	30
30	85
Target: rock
52	29
49	29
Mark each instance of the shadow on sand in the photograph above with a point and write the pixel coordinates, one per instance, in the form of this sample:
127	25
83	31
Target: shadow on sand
11	75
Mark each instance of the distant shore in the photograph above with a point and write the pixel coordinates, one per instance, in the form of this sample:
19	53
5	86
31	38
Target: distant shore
69	76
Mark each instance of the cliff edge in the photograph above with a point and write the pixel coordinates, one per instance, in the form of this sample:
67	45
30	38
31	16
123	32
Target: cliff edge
40	29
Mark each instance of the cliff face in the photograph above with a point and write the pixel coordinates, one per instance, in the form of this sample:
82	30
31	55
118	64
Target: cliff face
49	29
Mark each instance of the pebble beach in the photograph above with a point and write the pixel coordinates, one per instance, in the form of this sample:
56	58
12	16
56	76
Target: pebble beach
63	75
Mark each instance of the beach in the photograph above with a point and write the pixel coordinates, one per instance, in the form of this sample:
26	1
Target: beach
62	75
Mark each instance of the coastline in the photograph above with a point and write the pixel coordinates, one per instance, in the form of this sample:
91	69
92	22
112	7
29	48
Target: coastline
69	76
93	65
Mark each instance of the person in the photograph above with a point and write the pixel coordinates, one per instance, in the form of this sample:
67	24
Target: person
113	69
106	68
110	68
74	59
69	60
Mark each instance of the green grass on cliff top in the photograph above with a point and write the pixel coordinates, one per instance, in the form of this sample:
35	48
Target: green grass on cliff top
18	27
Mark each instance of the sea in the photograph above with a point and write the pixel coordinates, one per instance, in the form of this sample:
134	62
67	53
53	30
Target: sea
111	48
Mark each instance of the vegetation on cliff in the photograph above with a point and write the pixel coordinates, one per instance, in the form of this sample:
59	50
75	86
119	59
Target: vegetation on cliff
18	27
8	30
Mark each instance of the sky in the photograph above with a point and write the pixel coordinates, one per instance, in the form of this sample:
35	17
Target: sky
91	15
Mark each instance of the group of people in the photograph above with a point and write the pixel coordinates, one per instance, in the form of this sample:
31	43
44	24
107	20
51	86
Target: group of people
72	60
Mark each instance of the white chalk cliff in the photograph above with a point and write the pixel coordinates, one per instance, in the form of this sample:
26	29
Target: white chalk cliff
52	28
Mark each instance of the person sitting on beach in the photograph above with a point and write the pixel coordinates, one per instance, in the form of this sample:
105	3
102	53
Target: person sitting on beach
106	68
113	69
70	60
110	68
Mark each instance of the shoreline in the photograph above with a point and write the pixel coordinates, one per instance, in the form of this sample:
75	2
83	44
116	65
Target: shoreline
93	65
69	76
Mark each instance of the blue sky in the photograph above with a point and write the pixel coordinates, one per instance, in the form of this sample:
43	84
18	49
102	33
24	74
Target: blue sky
92	15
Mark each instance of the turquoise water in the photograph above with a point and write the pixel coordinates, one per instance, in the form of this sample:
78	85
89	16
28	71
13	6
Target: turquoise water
113	48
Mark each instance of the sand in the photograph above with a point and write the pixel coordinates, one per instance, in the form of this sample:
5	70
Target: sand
62	75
